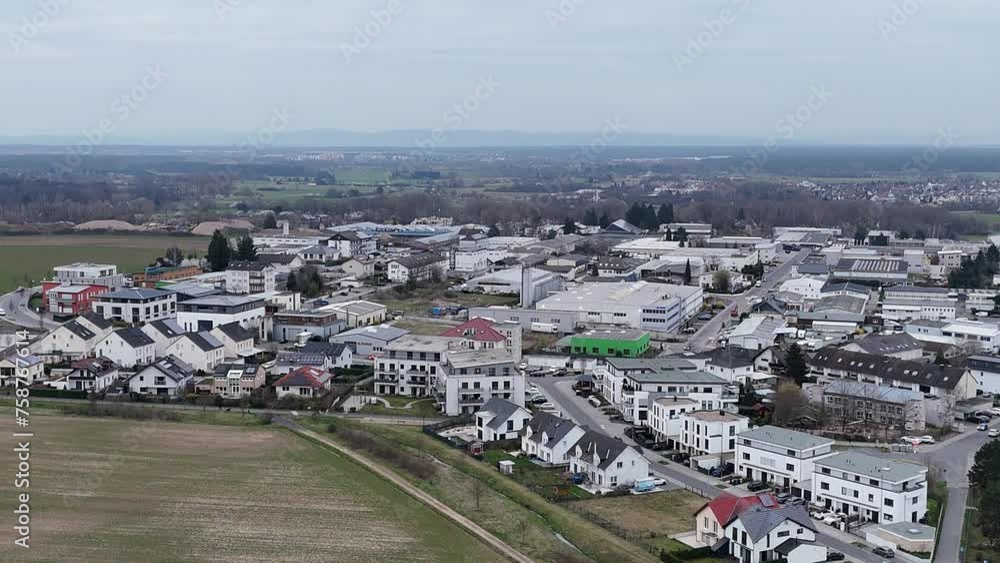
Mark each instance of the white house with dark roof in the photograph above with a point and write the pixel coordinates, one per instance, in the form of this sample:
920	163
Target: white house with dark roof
762	534
92	374
206	313
128	347
500	419
548	438
200	350
167	376
876	489
929	379
164	333
74	339
243	277
902	346
418	266
136	305
238	341
353	244
28	368
607	462
780	456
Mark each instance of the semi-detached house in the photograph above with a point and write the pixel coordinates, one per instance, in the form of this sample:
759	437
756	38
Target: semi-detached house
780	456
549	438
875	489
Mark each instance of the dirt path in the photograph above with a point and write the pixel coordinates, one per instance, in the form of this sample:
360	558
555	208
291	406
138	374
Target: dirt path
413	491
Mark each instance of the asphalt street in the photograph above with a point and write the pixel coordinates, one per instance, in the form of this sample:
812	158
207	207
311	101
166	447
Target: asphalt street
16	306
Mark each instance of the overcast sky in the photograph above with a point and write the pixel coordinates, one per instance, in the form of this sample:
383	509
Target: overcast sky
554	71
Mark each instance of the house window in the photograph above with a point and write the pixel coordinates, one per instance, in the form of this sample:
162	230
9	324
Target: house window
888	502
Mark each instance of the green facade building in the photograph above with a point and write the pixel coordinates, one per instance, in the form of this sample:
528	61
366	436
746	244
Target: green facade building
623	343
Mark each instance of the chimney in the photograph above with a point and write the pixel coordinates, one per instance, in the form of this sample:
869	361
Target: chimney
527	291
284	228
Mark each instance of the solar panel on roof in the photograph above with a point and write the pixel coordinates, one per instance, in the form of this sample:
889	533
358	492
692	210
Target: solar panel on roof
766	501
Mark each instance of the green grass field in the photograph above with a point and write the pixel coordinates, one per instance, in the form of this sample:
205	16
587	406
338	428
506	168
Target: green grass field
991	220
28	259
110	490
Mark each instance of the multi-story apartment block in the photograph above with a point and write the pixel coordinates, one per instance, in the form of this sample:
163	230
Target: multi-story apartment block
85	273
851	402
875	489
64	299
480	333
410	365
244	278
206	313
136	306
353	244
470	378
711	433
780	456
418	267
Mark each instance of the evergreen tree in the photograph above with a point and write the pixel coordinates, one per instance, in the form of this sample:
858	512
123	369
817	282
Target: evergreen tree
270	222
219	252
493	232
634	214
649	221
681	235
668	235
795	363
569	226
590	218
687	272
604	221
665	214
292	283
245	249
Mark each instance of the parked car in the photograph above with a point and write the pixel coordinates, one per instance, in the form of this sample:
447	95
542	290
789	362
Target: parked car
830	519
547	406
994	432
927	439
594	401
755	486
834	556
915	440
983	427
988	414
657	482
995	411
783	497
982	419
884	552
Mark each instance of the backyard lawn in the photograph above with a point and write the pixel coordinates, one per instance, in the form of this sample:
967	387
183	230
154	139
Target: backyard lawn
534	476
404	406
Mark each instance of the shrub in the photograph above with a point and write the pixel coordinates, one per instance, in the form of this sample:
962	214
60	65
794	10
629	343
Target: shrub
267	418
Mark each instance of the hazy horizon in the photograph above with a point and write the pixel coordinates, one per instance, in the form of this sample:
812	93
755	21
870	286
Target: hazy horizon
845	72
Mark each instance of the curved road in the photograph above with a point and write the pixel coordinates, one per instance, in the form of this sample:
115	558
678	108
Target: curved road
16	306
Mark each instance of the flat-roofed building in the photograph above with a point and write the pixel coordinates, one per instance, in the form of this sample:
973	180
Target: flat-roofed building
206	313
643	305
875	489
470	378
780	456
876	269
136	306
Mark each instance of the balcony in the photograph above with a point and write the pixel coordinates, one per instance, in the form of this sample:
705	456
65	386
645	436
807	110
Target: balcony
386	378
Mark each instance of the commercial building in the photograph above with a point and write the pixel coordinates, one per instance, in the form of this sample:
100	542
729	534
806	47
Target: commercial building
902	346
758	333
357	313
879	406
642	305
906	310
136	306
244	278
973	336
780	456
206	313
881	270
628	343
986	371
875	489
511	281
86	273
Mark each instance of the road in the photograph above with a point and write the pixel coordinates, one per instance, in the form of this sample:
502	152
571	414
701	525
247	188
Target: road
16	306
559	391
701	340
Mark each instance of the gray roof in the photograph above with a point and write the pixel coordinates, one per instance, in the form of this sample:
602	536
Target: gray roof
872	265
502	410
910	530
556	428
235	332
204	340
873	467
385	333
789	439
849	287
882	344
732	357
295	358
139	293
624	226
759	521
606	447
224	300
888	367
79	330
97	320
222	370
167	327
789	545
870	391
419	260
134	337
244	266
847	303
171	367
329	349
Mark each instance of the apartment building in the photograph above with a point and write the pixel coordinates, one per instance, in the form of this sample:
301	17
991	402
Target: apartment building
470	378
353	244
875	489
136	306
410	365
232	381
853	402
244	278
418	267
86	273
480	333
711	433
206	313
780	456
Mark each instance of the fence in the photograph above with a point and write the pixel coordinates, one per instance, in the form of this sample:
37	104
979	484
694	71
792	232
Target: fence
637	537
433	430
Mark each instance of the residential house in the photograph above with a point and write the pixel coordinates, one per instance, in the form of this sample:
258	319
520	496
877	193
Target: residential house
127	347
74	339
164	333
483	334
353	244
282	263
763	534
711	434
873	488
902	346
607	462
27	368
469	378
712	518
92	374
360	268
64	299
419	267
549	439
200	350
319	254
369	341
167	376
232	381
206	313
136	305
780	456
878	406
306	382
357	313
237	341
500	419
